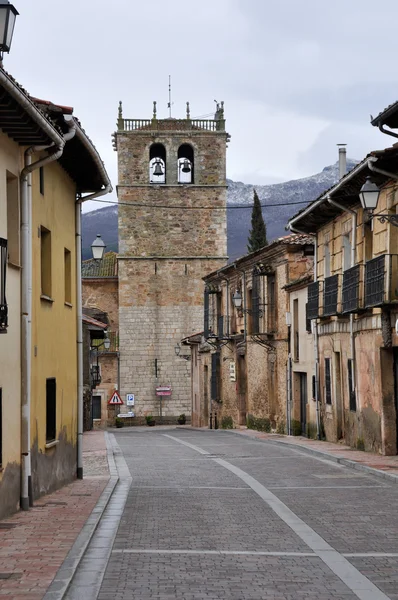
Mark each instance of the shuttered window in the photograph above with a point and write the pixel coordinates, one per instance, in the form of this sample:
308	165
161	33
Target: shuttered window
206	315
3	275
328	382
255	307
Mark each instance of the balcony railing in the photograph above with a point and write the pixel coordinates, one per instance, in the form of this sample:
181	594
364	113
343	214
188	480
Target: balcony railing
381	280
330	295
313	300
352	283
171	124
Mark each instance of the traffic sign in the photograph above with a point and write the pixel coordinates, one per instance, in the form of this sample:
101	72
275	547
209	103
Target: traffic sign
115	399
164	390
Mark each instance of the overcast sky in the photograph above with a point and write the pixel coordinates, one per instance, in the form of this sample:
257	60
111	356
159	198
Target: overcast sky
296	77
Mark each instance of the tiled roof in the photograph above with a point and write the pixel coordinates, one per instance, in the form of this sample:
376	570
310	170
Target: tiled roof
389	116
107	267
91	321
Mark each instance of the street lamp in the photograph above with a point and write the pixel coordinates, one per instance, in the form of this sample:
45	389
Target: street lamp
237	299
8	14
98	248
369	196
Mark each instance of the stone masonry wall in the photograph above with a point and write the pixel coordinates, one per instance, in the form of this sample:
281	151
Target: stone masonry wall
167	243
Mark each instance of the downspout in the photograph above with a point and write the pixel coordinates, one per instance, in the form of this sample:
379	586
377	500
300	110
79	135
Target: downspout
386	131
314	327
26	303
353	251
79	304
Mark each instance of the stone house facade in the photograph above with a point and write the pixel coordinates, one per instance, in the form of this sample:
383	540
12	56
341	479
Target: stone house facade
172	231
239	365
353	305
100	294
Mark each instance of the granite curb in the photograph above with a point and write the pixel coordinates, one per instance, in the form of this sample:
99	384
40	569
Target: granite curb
63	578
346	462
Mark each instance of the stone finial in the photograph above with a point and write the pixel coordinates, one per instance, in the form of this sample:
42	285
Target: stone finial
154	109
120	123
188	111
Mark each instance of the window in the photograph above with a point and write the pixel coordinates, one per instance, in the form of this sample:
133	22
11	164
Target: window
45	252
351	385
157	163
328	382
271	298
326	267
41	180
296	333
215	376
346	252
96	407
314	388
68	276
185	164
13	220
256	302
3	274
51	409
1	428
206	314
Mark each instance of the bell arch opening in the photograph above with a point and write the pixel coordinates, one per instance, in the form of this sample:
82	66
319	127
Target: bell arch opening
157	163
185	164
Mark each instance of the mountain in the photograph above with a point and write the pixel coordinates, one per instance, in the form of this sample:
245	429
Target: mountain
104	220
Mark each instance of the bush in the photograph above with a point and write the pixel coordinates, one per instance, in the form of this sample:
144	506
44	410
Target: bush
296	427
227	423
119	422
182	419
280	428
258	423
311	431
360	444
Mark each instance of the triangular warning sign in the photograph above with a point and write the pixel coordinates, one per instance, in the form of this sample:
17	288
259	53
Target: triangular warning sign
115	399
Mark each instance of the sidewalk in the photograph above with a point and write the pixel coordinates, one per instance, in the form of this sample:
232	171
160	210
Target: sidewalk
385	466
34	544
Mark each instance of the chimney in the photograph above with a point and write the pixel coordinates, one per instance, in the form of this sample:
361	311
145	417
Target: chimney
342	160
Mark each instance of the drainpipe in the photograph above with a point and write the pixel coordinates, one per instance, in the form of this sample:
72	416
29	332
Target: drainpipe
79	304
26	300
353	250
314	327
387	131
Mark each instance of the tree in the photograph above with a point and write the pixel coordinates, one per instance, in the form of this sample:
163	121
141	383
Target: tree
258	233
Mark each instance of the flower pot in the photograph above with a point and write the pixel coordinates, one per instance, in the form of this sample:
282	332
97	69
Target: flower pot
151	423
181	421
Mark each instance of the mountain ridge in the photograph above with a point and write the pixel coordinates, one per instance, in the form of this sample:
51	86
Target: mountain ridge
307	189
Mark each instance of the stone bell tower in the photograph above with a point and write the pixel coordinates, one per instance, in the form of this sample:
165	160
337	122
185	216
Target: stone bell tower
172	231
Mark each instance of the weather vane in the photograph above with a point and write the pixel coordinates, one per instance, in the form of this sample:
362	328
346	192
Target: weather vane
169	104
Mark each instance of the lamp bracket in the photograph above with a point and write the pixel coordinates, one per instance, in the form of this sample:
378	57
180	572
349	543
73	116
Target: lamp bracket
392	219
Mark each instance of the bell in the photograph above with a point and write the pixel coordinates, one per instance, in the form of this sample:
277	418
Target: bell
158	171
186	167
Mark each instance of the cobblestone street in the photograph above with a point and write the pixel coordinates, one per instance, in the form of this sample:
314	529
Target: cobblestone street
213	515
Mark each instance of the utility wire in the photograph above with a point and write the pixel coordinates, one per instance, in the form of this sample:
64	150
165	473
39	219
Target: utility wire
234	207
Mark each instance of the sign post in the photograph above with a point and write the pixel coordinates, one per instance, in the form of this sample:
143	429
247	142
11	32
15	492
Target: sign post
163	390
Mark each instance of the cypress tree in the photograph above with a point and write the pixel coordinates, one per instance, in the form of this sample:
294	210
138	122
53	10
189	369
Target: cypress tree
258	233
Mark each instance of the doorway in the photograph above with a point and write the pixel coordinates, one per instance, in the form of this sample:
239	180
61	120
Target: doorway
303	402
395	366
242	389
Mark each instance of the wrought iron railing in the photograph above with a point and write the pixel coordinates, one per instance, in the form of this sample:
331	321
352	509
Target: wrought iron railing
352	280
375	281
313	301
330	295
98	344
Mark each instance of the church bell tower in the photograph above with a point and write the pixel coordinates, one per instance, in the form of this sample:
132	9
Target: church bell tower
172	232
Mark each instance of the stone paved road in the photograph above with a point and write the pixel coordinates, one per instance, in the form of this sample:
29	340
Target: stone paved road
213	516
